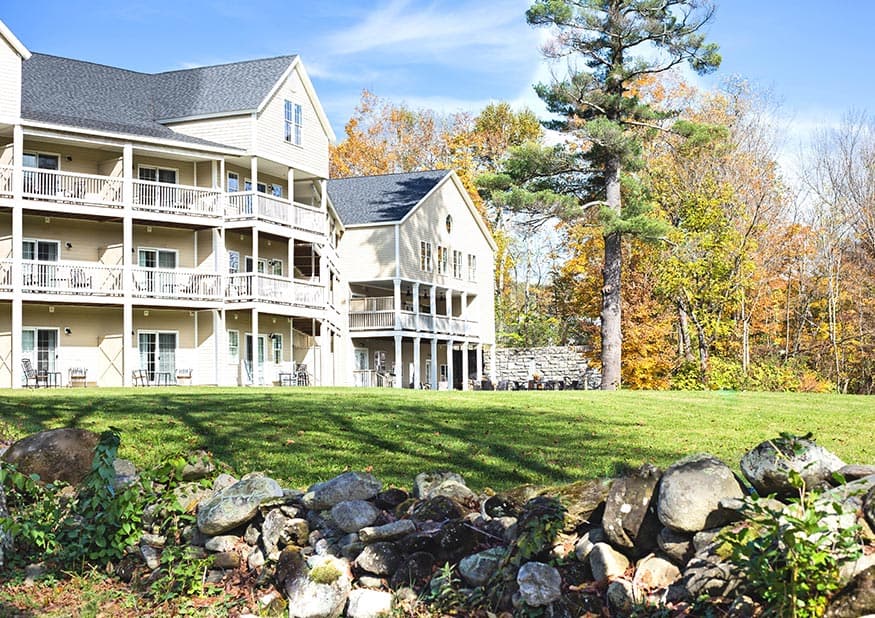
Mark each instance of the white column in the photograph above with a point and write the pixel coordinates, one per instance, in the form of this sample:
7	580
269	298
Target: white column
450	364
214	174
399	364
290	180
254	273
221	343
17	271
396	297
129	352
416	378
256	363
416	302
465	373
449	303
253	173
325	348
433	378
433	299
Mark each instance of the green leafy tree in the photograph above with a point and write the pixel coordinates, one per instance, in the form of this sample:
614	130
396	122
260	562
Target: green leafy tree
620	42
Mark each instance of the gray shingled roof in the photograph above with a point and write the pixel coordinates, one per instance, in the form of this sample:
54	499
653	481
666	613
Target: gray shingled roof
381	199
93	96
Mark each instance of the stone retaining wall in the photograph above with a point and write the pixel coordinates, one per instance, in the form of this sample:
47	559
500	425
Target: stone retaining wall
550	363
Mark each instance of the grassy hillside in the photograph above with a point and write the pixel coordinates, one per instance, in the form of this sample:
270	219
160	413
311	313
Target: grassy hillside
495	439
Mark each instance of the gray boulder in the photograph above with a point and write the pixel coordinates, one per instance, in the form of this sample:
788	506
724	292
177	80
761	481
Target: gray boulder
221	543
678	546
365	603
476	569
767	465
606	562
690	493
654	572
347	486
272	528
55	455
869	508
381	558
630	520
539	584
353	515
855	599
622	597
235	505
587	542
450	484
387	532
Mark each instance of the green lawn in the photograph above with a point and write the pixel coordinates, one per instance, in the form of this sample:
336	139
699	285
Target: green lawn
496	440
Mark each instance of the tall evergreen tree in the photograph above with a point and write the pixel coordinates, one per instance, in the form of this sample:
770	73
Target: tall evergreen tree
620	42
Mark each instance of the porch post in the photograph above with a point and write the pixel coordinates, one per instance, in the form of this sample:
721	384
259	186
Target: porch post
129	353
399	364
17	271
465	374
432	379
290	180
416	379
256	363
450	380
396	304
221	345
416	303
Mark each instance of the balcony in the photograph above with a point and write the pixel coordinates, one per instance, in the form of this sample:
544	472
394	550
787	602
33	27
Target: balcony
257	287
177	284
378	313
177	199
66	187
247	205
65	277
5	181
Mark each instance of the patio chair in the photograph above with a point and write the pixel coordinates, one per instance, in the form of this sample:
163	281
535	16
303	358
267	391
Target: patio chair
76	376
32	377
141	378
184	374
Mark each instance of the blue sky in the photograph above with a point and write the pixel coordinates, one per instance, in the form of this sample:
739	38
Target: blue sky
814	56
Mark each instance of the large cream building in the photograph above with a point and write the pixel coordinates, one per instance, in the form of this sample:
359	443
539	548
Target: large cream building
181	225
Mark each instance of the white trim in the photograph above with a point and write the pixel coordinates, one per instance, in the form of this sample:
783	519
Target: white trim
175	253
308	88
17	45
211	116
157	168
37	153
232	360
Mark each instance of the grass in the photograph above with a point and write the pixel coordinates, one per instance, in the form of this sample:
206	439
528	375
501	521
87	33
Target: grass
495	439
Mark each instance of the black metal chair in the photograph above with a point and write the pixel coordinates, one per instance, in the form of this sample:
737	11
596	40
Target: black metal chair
32	377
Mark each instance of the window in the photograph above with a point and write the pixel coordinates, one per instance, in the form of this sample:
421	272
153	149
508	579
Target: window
445	374
294	123
260	186
449	223
276	190
233	262
157	174
42	183
234	345
233	182
442	259
425	256
472	267
277	348
457	264
265	266
42	250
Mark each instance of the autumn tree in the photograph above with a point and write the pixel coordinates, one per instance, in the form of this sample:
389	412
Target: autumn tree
619	42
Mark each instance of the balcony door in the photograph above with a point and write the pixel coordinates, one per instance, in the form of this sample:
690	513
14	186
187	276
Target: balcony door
39	182
40	347
255	371
41	262
361	367
156	195
157	355
158	278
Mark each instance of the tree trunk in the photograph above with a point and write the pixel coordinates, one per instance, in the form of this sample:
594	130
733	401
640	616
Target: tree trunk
745	335
703	350
683	326
611	330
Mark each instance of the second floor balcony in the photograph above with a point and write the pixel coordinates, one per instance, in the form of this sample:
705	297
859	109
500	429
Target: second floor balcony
253	205
378	313
259	287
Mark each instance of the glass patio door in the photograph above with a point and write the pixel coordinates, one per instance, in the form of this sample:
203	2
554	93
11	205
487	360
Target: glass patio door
158	355
40	347
162	261
44	273
37	182
255	370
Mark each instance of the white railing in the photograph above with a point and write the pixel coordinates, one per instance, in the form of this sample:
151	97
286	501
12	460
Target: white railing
176	283
5	275
67	277
177	199
373	319
378	303
384	319
5	181
273	289
74	188
252	204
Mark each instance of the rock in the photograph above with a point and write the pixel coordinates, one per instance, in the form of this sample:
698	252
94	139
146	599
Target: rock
370	581
125	474
389	499
449	484
251	535
852	472
587	542
653	572
413	571
630	520
381	558
583	500
622	597
539	584
855	599
851	496
235	505
34	572
499	506
766	466
419	541
290	566
347	486
151	556
255	559
705	575
690	492
323	592
478	568
439	508
852	568
353	515
225	542
189	495
223	481
369	604
296	531
703	539
387	532
55	455
456	539
869	508
606	562
199	466
226	560
153	540
678	546
275	522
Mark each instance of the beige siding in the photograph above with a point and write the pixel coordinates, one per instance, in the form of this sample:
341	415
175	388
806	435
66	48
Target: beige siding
79	160
91	241
368	253
182	241
229	130
312	156
10	77
184	169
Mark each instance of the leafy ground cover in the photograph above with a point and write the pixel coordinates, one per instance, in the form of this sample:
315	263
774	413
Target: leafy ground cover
496	439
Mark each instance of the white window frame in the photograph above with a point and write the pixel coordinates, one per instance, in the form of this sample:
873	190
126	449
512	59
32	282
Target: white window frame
457	264
158	171
425	257
234	348
268	266
442	259
36	242
293	116
157	251
276	351
236	178
260	187
472	267
38	154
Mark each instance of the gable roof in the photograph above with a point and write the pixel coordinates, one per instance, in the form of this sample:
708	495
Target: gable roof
20	49
365	200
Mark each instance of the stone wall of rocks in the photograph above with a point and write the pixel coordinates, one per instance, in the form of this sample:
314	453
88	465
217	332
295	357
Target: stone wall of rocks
350	546
551	363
